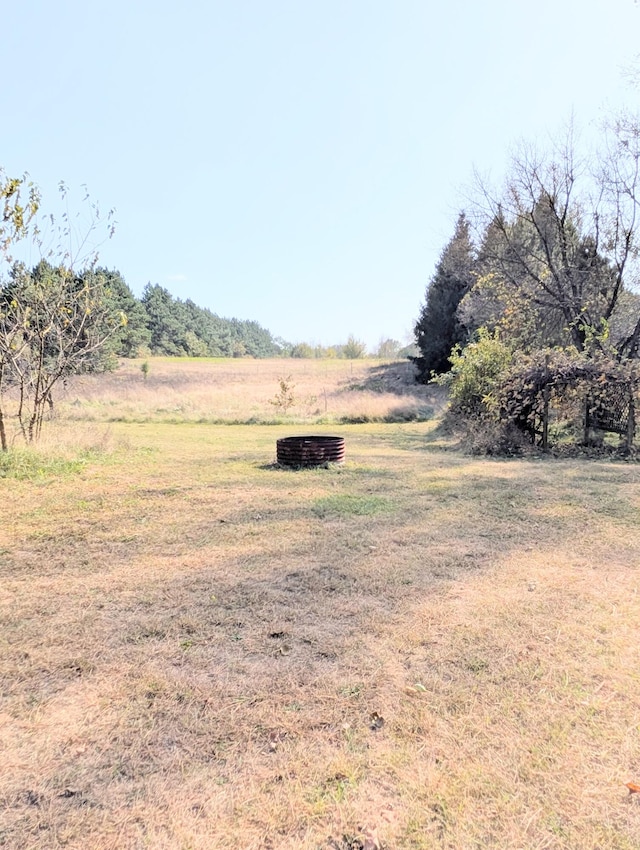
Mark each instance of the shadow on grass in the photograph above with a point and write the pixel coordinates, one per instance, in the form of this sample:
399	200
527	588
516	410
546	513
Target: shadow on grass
398	378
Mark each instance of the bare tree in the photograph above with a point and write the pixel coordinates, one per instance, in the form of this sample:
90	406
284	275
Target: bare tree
54	321
621	179
563	232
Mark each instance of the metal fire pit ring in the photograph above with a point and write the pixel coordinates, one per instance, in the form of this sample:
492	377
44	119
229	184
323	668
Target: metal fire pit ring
310	451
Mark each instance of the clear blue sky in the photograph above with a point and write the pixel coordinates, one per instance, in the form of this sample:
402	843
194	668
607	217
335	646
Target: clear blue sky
296	163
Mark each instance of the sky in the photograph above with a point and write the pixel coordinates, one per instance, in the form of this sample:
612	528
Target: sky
300	164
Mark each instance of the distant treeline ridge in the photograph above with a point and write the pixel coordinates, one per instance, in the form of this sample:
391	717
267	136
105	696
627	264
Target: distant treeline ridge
159	324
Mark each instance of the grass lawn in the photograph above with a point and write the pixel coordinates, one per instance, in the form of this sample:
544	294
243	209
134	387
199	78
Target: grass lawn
419	649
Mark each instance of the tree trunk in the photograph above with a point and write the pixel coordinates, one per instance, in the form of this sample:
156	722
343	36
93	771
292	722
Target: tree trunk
3	434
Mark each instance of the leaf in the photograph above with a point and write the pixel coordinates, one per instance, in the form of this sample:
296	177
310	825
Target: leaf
633	788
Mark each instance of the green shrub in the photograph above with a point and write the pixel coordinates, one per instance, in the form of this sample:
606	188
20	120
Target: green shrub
476	372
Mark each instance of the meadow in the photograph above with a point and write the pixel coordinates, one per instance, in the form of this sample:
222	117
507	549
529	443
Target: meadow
417	649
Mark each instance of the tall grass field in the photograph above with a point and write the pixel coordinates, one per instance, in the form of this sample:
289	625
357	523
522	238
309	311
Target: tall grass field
417	649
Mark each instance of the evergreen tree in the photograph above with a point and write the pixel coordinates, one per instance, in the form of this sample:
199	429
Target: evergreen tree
438	328
165	320
182	328
133	336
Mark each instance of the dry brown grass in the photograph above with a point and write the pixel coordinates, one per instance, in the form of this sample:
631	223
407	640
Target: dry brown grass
417	650
216	391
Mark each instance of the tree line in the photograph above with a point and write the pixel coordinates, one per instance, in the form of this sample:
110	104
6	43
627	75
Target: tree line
158	324
547	264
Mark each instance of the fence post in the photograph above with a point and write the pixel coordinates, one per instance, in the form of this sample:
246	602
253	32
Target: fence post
587	404
631	419
545	409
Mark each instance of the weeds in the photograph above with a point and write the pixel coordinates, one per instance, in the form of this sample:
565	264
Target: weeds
284	399
26	464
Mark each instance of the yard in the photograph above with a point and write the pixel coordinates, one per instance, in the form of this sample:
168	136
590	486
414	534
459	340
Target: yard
419	649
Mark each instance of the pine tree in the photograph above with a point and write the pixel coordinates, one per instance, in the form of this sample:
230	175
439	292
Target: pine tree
133	336
438	328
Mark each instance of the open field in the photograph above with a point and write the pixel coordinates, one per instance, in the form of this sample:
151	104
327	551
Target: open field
419	649
244	391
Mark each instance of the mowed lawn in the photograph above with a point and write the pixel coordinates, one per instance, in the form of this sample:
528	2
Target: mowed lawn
418	649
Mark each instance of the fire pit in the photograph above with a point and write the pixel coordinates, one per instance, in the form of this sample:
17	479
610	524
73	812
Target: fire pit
310	451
